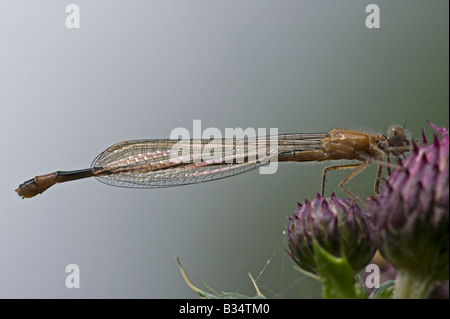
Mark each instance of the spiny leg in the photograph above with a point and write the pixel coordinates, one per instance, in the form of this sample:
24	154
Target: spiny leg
388	160
334	168
394	150
378	180
381	164
358	168
389	166
379	161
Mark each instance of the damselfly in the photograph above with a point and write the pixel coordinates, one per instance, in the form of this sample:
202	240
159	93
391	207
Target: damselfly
153	164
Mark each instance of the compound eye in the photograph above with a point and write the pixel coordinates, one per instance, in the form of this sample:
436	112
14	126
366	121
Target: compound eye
396	136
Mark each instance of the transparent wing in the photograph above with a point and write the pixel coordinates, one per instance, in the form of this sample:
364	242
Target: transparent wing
168	163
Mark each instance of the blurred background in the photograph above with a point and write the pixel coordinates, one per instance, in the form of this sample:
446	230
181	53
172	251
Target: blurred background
138	69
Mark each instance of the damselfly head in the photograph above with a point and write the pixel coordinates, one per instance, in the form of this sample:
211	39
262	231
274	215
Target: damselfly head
397	136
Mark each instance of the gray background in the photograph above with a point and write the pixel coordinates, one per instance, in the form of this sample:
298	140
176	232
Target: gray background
138	69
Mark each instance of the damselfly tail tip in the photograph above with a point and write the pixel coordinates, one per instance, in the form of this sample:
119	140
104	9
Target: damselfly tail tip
24	191
28	189
35	186
18	191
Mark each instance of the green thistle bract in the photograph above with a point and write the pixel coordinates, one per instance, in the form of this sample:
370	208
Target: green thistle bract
339	226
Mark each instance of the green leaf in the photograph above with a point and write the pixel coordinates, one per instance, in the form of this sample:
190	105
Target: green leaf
215	295
384	291
338	280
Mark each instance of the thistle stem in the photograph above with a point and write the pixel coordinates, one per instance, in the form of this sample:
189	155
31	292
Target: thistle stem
411	285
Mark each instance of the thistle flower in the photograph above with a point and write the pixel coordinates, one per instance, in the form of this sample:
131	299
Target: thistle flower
410	217
339	226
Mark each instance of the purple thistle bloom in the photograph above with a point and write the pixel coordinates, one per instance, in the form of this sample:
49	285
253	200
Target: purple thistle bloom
340	227
410	216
